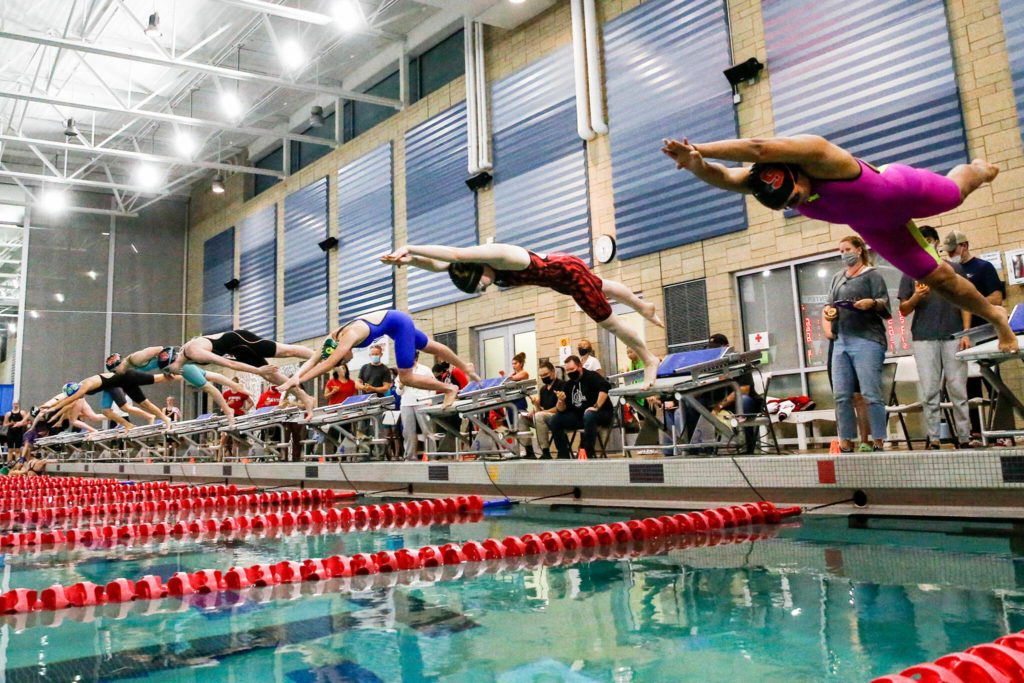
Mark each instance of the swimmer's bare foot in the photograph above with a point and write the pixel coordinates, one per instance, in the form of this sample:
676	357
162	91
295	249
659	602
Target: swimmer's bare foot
450	396
1007	338
648	311
989	172
650	375
309	404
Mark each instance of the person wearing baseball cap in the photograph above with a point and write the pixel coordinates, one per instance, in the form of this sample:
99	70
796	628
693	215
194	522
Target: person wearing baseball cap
985	278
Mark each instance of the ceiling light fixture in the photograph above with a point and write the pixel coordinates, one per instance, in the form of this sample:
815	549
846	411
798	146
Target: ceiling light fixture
217	187
153	29
231	104
186	144
348	15
69	129
291	54
54	201
316	116
12	327
148	176
59	297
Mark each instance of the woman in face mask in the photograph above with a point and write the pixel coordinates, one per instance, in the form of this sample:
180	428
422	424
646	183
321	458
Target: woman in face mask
590	361
855	320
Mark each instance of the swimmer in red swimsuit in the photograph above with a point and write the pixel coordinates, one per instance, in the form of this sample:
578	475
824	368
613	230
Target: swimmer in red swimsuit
473	269
821	180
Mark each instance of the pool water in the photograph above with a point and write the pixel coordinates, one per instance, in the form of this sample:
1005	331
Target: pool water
821	600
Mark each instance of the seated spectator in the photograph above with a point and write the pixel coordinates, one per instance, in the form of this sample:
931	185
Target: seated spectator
544	402
590	361
338	389
444	372
582	404
269	398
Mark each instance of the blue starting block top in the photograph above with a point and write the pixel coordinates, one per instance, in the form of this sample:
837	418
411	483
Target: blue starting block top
1017	319
358	398
485	384
676	364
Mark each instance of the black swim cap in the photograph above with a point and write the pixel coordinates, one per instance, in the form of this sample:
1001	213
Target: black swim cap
772	183
466	276
167	355
113	360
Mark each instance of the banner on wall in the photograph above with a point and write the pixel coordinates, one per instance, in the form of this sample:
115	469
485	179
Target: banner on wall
564	350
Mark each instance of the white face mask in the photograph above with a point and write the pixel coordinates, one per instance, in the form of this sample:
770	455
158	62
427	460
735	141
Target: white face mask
956	259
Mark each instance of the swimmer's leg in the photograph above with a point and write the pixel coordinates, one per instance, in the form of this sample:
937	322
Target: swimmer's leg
278	378
630	338
969	177
411	379
959	291
292	351
616	291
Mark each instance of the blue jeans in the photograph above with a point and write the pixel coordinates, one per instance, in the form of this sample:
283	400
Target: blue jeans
856	357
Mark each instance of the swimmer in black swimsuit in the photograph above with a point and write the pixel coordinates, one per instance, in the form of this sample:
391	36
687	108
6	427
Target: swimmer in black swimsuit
130	381
148	360
239	350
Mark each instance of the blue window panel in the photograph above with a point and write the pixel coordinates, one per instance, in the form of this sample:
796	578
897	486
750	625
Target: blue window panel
540	164
663	86
440	209
873	76
1013	26
305	264
257	294
273	161
366	228
218	268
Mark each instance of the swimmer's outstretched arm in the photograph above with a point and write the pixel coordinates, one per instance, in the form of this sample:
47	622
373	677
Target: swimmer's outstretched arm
315	367
86	385
139	358
437	256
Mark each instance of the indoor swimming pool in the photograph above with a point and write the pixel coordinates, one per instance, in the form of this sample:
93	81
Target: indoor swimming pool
815	598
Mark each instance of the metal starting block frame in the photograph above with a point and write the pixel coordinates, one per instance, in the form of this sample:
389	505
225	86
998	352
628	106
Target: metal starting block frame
145	442
106	444
686	384
63	446
188	435
475	401
251	433
337	424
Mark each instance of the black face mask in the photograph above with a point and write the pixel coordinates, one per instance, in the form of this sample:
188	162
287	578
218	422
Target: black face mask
584	350
546	380
575	375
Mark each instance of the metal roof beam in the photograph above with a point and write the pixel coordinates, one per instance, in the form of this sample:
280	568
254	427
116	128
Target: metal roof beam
98	184
188	65
141	156
161	116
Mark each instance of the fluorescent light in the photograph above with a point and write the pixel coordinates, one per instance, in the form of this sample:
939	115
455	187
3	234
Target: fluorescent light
12	327
93	274
59	297
231	104
217	186
348	15
148	176
34	314
517	2
54	201
185	143
292	56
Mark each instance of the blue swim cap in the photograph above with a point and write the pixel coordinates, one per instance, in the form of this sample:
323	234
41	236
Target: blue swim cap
328	348
71	387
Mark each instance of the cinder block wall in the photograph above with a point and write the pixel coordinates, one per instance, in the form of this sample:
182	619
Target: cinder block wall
993	217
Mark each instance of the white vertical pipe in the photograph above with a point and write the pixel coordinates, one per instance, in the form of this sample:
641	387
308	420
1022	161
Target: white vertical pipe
109	314
471	120
482	133
594	68
19	343
579	63
403	76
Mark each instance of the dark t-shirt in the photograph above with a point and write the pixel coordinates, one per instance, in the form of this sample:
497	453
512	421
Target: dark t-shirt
856	323
935	319
982	275
582	393
546	395
375	375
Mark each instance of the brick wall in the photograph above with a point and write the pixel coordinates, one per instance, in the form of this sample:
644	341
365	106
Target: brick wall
993	217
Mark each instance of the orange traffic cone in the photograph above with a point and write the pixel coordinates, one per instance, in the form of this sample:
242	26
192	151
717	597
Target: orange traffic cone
582	454
425	457
834	447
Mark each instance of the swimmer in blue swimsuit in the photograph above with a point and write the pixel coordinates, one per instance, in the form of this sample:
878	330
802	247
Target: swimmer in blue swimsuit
148	360
363	331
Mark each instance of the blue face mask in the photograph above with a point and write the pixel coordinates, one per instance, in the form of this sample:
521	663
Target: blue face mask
850	259
375	359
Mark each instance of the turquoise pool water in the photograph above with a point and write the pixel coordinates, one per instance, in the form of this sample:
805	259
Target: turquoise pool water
822	600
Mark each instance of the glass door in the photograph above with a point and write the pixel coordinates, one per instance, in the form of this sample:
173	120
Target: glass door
497	344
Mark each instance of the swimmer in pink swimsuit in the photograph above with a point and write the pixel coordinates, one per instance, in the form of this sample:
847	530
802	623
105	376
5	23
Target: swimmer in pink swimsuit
821	180
473	269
